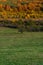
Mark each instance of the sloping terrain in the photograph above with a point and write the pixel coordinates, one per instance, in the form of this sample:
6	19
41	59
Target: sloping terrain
20	49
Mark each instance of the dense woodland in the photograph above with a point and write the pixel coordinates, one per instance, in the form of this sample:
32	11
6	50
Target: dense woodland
23	14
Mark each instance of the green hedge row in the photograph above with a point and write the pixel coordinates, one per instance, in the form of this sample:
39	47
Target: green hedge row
26	25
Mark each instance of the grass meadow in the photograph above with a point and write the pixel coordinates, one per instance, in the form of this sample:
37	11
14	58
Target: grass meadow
20	48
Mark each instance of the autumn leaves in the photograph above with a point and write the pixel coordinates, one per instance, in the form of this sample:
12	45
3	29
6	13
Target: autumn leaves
21	10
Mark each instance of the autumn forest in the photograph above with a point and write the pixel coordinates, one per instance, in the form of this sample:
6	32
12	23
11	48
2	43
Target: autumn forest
22	14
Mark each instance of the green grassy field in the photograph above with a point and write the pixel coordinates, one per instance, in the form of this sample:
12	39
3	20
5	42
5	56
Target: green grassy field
20	49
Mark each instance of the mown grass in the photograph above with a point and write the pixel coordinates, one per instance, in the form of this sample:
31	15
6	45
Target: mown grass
20	49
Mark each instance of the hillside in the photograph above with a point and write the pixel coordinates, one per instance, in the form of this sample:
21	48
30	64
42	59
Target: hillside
12	11
21	9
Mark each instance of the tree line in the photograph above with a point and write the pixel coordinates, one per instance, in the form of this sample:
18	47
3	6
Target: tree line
24	15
